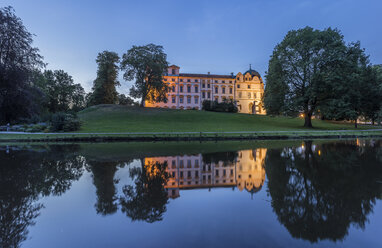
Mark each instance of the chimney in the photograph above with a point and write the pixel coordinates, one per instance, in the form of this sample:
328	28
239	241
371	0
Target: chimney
209	73
231	74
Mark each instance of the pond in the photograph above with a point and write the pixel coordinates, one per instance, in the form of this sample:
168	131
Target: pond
319	193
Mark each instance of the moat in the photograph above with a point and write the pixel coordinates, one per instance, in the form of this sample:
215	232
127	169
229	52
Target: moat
321	193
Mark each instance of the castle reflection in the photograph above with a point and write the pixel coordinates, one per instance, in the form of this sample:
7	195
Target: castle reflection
242	169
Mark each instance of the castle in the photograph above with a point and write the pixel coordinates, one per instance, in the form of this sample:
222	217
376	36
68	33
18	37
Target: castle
189	90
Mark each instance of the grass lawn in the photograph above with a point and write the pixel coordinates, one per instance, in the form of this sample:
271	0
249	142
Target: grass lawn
114	118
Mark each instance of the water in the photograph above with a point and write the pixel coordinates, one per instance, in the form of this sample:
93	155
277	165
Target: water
238	194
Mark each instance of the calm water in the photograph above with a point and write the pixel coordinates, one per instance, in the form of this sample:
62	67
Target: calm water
240	194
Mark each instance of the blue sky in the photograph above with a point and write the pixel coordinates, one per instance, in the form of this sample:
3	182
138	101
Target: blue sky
199	36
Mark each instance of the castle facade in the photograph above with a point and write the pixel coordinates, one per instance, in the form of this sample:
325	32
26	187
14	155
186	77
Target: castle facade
189	90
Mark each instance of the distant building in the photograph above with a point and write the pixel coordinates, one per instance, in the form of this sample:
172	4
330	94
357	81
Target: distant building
189	90
189	171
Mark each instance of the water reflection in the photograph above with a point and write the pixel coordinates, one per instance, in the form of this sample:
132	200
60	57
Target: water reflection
25	177
317	189
244	169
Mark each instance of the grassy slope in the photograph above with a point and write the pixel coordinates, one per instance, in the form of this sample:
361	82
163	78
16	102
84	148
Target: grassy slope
112	118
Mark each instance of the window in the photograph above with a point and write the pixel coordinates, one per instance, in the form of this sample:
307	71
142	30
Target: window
208	94
249	94
223	81
216	81
188	89
188	173
196	89
217	173
173	163
249	86
181	100
238	86
173	79
216	90
196	163
204	94
188	99
230	90
223	89
224	172
196	173
181	174
231	172
165	79
230	82
196	100
173	88
189	163
216	98
208	86
173	174
203	85
196	80
188	80
173	71
181	88
173	99
181	80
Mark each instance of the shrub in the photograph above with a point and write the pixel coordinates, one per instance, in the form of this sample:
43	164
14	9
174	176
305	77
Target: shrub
64	122
225	106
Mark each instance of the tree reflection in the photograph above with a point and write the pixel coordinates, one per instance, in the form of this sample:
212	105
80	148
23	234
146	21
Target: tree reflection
103	179
319	191
147	200
25	176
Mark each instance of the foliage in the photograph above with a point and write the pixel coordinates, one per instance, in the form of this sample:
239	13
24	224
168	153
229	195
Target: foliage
104	86
64	122
147	65
18	59
125	100
306	68
227	105
60	91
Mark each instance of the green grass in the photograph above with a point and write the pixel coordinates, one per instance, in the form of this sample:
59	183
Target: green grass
104	121
114	119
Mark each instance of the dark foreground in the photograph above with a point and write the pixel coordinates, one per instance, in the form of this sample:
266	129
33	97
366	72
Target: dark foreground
320	193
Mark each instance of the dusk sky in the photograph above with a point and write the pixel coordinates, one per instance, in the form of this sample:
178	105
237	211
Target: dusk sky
199	36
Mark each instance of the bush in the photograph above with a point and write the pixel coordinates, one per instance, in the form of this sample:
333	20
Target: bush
225	106
64	122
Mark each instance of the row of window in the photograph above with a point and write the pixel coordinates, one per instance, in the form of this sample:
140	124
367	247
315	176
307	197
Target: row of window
196	173
196	89
249	94
181	99
197	81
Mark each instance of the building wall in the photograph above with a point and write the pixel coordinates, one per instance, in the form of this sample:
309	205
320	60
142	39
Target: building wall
188	91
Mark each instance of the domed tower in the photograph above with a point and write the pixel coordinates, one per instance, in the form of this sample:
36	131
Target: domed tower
249	92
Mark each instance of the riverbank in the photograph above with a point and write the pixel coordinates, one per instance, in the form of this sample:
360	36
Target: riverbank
187	136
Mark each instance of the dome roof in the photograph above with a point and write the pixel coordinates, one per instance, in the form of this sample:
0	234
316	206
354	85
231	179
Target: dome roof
253	73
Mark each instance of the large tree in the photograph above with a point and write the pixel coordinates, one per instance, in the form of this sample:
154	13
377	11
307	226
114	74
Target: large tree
18	60
299	74
61	93
147	65
104	87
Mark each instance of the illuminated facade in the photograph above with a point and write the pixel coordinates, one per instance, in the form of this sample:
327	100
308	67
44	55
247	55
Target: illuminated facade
188	91
189	171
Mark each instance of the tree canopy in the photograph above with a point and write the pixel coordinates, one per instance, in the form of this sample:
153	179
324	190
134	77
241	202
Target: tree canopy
104	86
18	60
146	65
312	71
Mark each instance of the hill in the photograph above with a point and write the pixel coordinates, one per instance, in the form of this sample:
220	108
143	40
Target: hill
115	118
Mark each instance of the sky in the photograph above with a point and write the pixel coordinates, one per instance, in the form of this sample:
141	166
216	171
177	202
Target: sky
199	36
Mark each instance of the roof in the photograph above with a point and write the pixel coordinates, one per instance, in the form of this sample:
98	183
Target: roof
253	73
174	66
206	75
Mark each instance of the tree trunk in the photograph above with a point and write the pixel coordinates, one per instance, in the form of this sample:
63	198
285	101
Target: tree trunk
308	120
372	121
142	102
355	123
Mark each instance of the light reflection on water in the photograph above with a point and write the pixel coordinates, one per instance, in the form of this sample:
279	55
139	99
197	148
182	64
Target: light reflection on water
269	194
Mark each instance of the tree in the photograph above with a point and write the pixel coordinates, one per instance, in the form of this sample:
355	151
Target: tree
361	95
61	93
18	60
125	100
298	78
147	65
104	91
